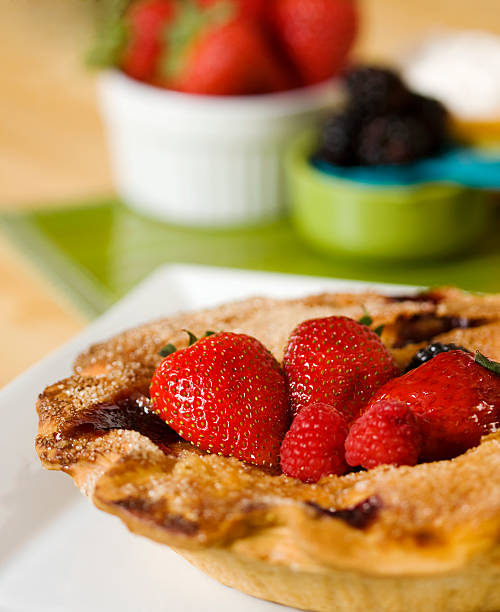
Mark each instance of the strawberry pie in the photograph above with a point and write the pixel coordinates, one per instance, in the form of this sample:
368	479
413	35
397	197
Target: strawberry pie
334	452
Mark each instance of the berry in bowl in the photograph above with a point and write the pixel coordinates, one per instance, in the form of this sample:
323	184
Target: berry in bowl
385	179
201	98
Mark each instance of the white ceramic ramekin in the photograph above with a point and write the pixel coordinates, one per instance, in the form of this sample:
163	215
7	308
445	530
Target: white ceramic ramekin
204	160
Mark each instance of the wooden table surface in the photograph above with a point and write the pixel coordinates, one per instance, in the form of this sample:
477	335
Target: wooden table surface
52	147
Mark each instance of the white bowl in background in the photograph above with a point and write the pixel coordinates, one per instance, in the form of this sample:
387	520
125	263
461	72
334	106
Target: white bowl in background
204	160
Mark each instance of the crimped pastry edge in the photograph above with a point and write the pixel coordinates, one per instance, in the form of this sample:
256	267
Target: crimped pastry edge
315	544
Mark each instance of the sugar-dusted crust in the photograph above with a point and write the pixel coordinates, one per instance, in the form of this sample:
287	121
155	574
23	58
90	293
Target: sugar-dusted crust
436	525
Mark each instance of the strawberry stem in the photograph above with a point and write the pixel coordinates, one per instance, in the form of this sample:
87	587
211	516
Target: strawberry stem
168	349
192	337
489	364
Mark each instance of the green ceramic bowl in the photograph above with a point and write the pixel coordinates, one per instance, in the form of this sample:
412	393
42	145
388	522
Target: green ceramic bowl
340	216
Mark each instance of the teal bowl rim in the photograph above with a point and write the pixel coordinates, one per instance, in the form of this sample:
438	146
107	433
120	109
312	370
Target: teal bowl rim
298	160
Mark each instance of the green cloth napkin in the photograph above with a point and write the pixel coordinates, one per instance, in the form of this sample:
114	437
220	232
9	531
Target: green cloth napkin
100	250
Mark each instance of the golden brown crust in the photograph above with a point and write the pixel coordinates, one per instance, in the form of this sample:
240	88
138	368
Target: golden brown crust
473	590
269	320
432	518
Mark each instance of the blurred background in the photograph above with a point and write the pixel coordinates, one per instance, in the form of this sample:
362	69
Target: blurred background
53	157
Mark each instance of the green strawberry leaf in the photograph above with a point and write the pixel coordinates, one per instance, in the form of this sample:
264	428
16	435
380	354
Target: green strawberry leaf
365	320
492	366
379	329
167	350
108	46
111	35
190	22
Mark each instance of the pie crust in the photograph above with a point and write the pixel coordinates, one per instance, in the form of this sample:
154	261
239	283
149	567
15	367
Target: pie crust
412	539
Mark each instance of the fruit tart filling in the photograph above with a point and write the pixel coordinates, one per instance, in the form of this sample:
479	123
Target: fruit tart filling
338	402
227	434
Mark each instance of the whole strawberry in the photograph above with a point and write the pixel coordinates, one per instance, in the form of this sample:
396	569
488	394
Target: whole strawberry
225	394
338	361
316	35
146	22
387	433
454	399
223	57
314	445
249	9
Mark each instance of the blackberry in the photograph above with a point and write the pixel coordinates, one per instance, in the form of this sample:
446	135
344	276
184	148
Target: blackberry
394	139
434	115
373	91
384	123
338	138
427	353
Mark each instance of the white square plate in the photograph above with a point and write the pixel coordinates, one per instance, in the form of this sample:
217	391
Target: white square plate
60	554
